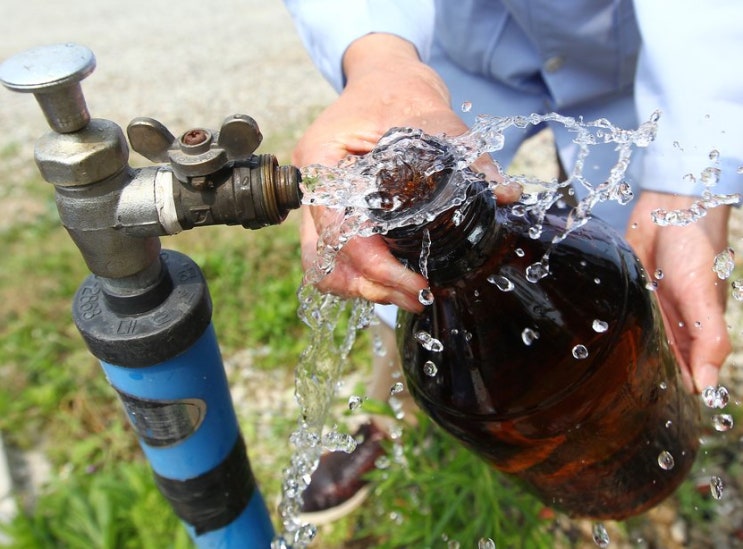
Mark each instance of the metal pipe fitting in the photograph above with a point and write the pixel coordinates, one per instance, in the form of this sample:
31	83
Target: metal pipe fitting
114	213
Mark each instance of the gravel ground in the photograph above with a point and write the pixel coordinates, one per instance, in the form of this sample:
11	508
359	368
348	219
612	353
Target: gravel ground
195	64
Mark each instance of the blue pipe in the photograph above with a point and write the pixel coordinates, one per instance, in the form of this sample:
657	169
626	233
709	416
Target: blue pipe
160	352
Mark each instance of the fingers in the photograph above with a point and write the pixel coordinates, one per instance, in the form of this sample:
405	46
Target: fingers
690	294
364	267
709	348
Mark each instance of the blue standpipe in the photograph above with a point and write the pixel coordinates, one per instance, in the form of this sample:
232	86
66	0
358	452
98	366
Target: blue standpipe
159	351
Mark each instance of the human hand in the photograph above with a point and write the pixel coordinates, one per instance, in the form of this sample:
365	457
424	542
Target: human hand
387	86
691	295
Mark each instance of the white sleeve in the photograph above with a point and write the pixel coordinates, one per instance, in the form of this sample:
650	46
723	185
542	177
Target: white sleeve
327	27
689	70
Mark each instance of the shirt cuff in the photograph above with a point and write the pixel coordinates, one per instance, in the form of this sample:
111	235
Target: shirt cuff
682	74
328	27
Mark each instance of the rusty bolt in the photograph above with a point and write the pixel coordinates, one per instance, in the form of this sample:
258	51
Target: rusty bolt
194	137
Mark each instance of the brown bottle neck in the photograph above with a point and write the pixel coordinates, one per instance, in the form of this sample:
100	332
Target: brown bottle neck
460	238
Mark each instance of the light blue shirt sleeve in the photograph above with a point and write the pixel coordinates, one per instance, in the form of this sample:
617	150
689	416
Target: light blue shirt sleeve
687	70
328	27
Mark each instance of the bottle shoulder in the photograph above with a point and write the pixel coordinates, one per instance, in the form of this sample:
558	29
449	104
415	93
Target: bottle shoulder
534	310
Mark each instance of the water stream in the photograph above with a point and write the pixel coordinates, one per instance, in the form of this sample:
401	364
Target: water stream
349	190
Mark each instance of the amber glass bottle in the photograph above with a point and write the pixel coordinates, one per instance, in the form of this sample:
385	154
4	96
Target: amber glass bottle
555	366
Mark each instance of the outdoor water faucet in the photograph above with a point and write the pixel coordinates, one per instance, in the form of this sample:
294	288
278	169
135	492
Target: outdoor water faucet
145	313
116	213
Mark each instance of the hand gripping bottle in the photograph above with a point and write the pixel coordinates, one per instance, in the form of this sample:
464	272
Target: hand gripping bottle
542	352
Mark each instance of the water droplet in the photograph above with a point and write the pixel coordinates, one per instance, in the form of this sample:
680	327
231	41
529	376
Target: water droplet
600	535
710	176
663	385
651	285
457	217
716	487
580	352
536	271
396	388
430	368
428	342
665	460
722	422
467	106
669	423
518	210
519	252
378	346
714	155
600	326
501	282
597	281
658	274
535	231
715	397
529	336
339	442
724	263
354	402
425	296
737	290
485	543
377	200
382	462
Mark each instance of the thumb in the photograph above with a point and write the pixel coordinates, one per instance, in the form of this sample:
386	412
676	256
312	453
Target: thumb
709	349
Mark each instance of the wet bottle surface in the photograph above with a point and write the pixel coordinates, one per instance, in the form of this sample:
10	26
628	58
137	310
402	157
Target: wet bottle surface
555	365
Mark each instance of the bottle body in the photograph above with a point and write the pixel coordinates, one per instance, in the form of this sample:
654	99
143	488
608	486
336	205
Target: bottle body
555	365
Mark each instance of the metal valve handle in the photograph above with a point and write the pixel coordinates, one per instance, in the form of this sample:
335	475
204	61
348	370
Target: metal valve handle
198	152
53	75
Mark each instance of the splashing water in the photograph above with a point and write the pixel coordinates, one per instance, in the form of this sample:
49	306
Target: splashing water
316	376
737	292
699	208
666	460
349	193
502	283
722	422
724	263
355	402
426	297
600	326
715	397
428	342
351	186
716	487
529	336
580	352
600	535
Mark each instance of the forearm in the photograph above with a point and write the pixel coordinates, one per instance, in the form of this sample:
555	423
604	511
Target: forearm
328	27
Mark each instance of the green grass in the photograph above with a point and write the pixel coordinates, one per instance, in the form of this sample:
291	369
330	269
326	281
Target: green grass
438	492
